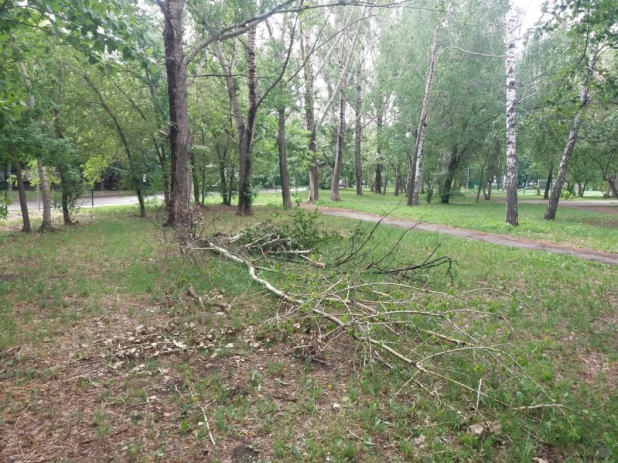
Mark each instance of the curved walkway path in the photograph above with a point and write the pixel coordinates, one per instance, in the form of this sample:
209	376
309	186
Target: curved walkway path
501	240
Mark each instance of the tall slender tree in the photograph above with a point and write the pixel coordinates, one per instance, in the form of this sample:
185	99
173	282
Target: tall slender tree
512	215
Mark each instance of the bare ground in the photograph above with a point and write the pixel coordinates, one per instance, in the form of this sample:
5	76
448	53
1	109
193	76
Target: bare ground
113	388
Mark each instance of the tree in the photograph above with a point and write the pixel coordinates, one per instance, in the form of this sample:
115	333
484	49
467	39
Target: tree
512	215
46	223
417	159
590	59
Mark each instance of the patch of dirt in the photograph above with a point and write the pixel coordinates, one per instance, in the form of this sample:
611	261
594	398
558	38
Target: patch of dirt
548	454
244	453
85	395
9	277
595	364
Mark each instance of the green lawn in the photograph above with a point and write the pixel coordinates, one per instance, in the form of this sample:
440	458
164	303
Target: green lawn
589	230
77	301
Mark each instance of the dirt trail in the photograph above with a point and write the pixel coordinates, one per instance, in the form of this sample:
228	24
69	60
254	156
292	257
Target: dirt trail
501	240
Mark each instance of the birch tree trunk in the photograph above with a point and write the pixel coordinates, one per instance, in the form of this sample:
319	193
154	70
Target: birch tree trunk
43	183
334	184
358	132
512	215
584	96
283	167
180	191
422	125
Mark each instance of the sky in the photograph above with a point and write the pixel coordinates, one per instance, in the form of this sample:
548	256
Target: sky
532	12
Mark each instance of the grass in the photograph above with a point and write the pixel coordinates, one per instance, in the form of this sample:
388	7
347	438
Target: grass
575	227
75	299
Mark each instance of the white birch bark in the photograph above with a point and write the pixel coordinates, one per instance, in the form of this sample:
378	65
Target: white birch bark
420	139
512	216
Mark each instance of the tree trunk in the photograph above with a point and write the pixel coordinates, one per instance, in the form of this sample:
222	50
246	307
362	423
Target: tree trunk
180	191
409	187
245	173
334	184
9	185
358	132
140	201
478	194
196	182
550	213
422	125
43	183
283	166
23	202
230	182
204	185
548	186
448	181
65	183
613	185
378	183
377	187
223	179
310	121
46	196
397	178
385	179
512	214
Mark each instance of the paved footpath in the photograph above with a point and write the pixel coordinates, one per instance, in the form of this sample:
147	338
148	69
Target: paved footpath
473	235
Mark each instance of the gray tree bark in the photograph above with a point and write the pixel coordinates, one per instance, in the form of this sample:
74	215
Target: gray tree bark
377	186
180	192
584	96
314	174
334	184
422	125
23	202
43	183
358	168
283	166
